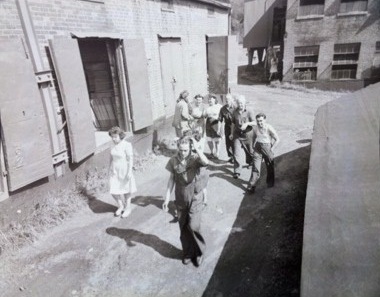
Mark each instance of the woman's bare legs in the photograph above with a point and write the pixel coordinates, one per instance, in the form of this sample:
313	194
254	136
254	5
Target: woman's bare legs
211	146
127	207
120	204
216	144
204	196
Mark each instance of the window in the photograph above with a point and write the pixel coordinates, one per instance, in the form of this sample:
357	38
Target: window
305	62
347	6
210	11
95	1
167	5
345	61
311	8
377	47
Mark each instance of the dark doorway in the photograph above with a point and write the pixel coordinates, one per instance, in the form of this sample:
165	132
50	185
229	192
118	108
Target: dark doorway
100	68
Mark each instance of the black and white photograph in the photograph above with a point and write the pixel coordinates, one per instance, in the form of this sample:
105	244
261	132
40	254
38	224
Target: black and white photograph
190	148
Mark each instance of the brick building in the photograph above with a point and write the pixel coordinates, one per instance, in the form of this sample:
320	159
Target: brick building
71	69
330	44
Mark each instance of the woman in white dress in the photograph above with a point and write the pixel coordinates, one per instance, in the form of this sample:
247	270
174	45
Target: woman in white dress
122	182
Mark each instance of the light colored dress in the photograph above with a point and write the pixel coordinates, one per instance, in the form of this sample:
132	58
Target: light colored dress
120	155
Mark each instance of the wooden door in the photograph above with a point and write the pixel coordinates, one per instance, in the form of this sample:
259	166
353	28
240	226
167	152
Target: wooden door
24	127
138	83
73	88
172	74
217	64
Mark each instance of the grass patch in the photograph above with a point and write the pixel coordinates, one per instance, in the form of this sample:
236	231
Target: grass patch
50	212
60	205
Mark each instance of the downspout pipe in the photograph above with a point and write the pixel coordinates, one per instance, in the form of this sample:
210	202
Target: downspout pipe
230	21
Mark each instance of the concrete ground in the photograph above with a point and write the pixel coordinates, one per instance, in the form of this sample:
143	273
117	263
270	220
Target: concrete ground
254	242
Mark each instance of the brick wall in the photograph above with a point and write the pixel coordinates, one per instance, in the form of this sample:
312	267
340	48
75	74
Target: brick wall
122	19
129	19
329	30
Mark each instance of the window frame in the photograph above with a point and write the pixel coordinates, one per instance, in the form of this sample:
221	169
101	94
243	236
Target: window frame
301	14
211	12
167	5
311	51
377	47
347	11
345	65
94	1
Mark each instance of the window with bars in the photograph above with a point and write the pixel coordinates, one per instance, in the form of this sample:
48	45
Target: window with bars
210	11
311	8
347	6
167	5
377	50
305	62
95	1
345	61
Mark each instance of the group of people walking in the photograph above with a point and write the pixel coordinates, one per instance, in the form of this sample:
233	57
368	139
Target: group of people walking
248	140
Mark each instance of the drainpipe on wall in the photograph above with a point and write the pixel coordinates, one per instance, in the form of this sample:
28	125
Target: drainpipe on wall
44	79
229	21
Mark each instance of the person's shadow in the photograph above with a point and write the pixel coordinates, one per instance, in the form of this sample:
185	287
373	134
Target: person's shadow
225	173
131	236
98	206
157	201
144	201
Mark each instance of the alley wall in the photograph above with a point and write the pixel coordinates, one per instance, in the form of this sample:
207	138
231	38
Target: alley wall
342	224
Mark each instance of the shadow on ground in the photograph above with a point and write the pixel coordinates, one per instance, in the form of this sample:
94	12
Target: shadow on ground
98	206
262	256
131	236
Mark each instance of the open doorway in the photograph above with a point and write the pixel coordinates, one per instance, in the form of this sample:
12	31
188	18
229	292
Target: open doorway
103	73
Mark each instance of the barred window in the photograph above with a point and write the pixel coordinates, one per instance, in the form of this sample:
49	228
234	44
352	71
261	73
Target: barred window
377	47
345	61
347	6
311	7
167	5
305	62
